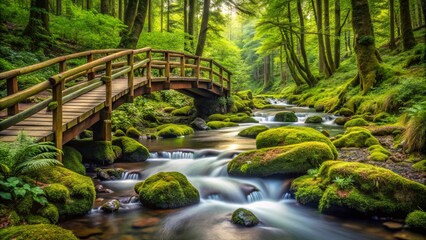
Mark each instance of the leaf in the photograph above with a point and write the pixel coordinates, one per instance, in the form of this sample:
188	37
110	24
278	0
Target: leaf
6	195
37	191
19	192
40	199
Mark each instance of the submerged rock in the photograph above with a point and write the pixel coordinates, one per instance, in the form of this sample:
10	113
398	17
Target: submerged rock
292	159
145	222
111	206
393	225
167	190
108	174
199	124
342	187
286	116
244	217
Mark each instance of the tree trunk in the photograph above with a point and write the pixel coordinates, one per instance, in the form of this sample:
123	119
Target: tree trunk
58	7
105	8
112	7
392	44
120	9
129	17
419	12
38	23
89	4
131	39
191	16
168	16
311	79
149	15
266	72
281	65
337	33
327	35
408	40
203	30
424	11
162	15
322	54
367	62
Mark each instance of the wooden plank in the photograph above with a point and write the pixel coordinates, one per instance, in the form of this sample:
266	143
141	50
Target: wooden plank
34	133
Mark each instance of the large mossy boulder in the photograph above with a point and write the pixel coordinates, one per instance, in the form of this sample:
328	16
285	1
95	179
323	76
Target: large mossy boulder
244	217
314	119
184	111
36	232
173	130
417	221
351	187
291	135
217	117
293	159
72	160
220	124
286	116
98	152
133	133
356	122
167	190
252	132
131	150
356	137
73	194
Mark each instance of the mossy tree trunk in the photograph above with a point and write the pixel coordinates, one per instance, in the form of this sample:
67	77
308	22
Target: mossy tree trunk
203	30
38	23
366	56
323	63
131	38
408	40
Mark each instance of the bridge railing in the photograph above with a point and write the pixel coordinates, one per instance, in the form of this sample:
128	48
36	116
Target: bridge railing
171	65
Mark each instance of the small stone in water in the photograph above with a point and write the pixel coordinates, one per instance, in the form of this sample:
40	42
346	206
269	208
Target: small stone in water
111	206
393	225
244	217
145	222
99	199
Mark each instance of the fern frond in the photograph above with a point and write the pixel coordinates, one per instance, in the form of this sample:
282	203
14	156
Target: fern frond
36	165
44	155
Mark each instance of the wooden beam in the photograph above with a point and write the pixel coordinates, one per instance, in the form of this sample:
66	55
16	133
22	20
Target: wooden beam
57	116
12	88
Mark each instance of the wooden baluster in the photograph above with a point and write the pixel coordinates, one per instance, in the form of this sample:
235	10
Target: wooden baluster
167	58
91	75
130	76
102	129
63	68
182	66
211	70
221	79
229	84
108	89
57	116
148	72
12	87
197	72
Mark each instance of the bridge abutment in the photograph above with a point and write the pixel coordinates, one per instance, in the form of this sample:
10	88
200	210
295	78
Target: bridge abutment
208	106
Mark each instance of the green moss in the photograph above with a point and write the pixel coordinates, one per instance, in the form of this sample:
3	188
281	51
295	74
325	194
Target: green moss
378	148
132	150
167	190
245	95
36	232
291	135
356	137
416	220
286	116
86	134
49	212
57	193
25	205
72	160
340	120
174	130
169	109
119	133
313	119
385	130
137	186
356	122
379	157
420	166
291	159
252	132
217	117
346	112
375	191
133	133
117	151
81	190
184	111
99	152
244	217
35	219
220	124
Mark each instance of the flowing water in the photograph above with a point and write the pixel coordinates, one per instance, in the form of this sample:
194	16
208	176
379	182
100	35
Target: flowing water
203	158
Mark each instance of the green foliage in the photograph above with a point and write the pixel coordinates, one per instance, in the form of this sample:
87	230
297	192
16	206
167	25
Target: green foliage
344	183
37	232
420	166
15	189
167	190
99	152
415	133
416	220
313	172
72	160
133	133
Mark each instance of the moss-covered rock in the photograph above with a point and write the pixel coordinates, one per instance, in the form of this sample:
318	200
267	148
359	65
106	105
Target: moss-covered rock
36	232
98	152
109	173
340	120
416	220
356	137
24	206
373	191
184	111
199	124
385	130
252	132
86	134
313	119
36	219
420	166
119	133
346	112
173	130
291	135
167	190
169	109
72	160
57	193
217	117
49	212
378	153
286	116
220	124
111	206
291	159
133	133
244	217
245	95
132	150
356	122
81	190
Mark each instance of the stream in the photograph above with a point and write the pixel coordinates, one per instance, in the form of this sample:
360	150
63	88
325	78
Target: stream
203	158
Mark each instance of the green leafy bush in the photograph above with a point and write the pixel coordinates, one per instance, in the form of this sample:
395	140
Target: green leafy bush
14	190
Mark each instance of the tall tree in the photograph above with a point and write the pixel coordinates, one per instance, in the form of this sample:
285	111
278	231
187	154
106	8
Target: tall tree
322	55
150	15
367	59
131	39
120	10
392	44
203	30
267	72
327	35
58	7
161	15
129	16
407	35
191	17
105	7
38	23
168	16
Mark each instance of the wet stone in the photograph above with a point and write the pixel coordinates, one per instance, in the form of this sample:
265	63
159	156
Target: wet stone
145	222
393	225
87	232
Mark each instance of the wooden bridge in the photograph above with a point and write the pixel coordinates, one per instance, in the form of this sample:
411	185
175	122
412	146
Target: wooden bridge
84	96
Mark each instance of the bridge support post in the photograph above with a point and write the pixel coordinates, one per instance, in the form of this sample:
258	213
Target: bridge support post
208	106
130	75
57	116
12	87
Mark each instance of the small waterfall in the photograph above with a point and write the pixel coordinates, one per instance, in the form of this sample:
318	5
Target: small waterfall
216	197
254	196
130	175
172	155
130	199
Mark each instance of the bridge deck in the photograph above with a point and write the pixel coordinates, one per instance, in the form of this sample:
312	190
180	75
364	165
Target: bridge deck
75	111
